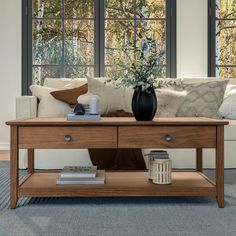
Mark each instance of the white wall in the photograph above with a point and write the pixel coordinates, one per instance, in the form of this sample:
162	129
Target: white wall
10	64
191	51
192	38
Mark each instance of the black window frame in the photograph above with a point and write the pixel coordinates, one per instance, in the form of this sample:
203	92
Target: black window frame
98	47
212	39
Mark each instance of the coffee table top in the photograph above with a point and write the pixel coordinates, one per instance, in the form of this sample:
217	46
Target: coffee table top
121	121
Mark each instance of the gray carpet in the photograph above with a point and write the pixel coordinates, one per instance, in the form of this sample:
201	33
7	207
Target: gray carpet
118	216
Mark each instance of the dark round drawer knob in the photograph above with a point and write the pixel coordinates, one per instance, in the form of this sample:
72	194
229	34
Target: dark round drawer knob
67	138
168	138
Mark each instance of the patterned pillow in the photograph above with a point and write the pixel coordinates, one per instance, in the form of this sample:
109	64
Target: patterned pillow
203	99
168	102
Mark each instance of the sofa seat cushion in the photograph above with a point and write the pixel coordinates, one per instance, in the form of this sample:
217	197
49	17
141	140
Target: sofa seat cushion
230	130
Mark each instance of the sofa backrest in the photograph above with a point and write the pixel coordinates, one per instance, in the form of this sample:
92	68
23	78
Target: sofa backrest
62	83
206	79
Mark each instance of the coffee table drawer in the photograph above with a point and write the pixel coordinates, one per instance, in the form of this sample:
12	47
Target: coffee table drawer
167	137
68	137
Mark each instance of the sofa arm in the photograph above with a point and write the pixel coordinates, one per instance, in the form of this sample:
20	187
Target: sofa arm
26	107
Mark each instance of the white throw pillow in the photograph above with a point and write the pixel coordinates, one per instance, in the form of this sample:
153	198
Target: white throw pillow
110	99
228	107
169	101
48	105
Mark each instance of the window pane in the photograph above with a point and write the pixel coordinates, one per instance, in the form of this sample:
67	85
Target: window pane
119	8
226	9
150	8
79	8
79	42
47	42
78	72
40	73
47	8
109	71
117	35
226	72
156	32
226	42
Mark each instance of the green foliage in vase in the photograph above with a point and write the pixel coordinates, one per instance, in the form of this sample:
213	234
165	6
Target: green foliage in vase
141	69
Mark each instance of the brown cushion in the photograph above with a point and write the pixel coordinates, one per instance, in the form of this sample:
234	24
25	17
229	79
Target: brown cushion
70	95
118	159
119	113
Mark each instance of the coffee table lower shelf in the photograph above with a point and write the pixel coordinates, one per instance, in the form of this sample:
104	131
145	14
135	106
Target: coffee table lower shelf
118	184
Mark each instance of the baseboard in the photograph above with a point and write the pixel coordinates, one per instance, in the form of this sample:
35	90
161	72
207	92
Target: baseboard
4	146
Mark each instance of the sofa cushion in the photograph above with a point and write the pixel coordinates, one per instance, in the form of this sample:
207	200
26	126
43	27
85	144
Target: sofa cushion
169	101
203	99
228	107
230	130
70	96
63	83
110	98
48	105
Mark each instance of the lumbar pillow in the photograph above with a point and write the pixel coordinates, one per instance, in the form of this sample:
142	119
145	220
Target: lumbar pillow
70	96
110	99
228	107
48	105
203	99
168	102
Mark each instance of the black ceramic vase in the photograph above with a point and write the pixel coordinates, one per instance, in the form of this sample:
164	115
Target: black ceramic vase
144	104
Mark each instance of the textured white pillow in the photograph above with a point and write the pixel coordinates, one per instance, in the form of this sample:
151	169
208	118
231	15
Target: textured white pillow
228	107
169	101
111	99
48	105
203	99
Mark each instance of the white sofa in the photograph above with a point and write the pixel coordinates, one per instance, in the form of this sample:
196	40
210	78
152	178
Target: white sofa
26	107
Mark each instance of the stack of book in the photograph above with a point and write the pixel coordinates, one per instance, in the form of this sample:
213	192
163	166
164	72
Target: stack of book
72	117
81	175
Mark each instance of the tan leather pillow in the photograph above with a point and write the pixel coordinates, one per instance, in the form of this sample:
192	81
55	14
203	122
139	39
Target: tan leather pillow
70	95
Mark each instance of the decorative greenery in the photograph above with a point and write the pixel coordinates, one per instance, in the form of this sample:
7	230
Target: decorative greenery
141	69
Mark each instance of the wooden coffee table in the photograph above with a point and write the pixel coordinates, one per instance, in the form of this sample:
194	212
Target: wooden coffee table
48	133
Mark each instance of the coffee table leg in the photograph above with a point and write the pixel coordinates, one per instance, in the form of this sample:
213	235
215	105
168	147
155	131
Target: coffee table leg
30	161
199	159
14	158
220	166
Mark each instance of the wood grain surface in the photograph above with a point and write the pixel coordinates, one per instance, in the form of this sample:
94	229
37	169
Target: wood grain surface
120	184
54	137
53	121
155	137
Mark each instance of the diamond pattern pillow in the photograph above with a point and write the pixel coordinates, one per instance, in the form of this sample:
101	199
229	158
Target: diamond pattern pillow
203	99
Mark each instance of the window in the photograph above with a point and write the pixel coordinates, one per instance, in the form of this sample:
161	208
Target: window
75	38
222	38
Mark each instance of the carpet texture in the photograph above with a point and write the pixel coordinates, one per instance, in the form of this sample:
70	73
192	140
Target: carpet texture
118	216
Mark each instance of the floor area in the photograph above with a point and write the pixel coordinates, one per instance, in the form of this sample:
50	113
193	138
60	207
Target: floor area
172	216
4	155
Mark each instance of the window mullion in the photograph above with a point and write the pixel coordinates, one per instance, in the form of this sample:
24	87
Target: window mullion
63	39
96	38
102	38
